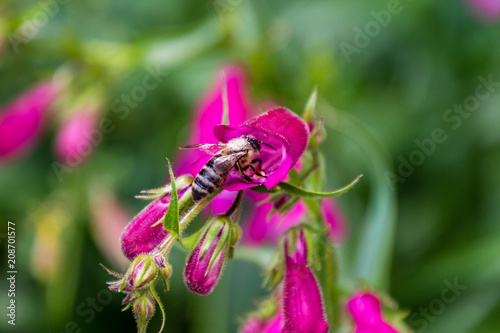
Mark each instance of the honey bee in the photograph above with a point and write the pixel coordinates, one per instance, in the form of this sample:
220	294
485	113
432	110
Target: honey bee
238	153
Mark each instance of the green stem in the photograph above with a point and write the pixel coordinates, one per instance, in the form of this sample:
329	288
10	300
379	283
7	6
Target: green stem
188	211
235	208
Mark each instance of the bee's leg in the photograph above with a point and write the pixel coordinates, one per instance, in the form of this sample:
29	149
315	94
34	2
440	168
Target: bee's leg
255	160
258	170
238	167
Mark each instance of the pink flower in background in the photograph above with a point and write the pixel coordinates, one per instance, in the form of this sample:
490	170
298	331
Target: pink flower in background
21	121
366	312
485	10
209	110
208	114
74	141
261	229
335	219
303	309
109	218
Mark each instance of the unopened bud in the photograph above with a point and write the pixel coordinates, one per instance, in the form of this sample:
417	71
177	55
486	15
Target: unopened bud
144	310
235	234
205	263
142	272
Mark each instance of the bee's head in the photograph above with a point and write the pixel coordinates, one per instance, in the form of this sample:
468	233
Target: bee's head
254	143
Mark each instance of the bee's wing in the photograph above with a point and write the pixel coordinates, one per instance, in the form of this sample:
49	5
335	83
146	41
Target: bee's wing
209	148
227	162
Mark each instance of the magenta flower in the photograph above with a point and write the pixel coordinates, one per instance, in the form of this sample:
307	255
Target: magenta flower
303	309
74	141
205	263
259	228
139	237
485	10
366	311
207	115
21	121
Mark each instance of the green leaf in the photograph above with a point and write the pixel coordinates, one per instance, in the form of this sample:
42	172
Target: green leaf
294	190
189	242
263	189
171	219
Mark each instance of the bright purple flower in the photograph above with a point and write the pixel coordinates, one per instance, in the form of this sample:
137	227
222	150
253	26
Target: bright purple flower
303	309
205	263
285	136
21	121
74	141
139	237
259	228
366	311
485	10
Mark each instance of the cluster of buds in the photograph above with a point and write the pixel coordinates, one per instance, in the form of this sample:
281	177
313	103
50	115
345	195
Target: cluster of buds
138	285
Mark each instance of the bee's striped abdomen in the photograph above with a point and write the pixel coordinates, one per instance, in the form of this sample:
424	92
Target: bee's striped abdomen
208	180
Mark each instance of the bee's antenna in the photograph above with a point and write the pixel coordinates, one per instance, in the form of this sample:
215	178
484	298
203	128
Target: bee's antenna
269	146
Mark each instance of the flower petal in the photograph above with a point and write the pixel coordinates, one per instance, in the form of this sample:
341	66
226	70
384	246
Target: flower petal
279	128
260	229
208	113
334	219
366	311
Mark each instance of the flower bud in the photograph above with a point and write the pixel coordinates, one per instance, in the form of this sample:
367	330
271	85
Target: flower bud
366	312
144	310
235	234
142	272
300	287
165	270
205	263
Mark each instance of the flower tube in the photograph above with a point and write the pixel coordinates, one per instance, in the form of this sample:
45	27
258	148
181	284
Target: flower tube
303	309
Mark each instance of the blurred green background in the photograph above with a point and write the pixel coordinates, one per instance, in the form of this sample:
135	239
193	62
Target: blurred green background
437	225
